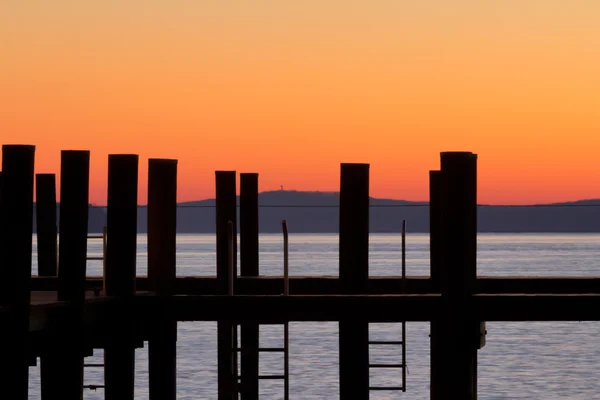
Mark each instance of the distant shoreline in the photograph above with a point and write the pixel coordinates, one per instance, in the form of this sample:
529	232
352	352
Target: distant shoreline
317	213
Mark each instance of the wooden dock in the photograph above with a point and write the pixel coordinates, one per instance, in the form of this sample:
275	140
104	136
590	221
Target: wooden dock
60	316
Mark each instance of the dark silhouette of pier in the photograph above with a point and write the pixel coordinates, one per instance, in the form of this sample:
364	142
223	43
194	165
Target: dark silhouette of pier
61	315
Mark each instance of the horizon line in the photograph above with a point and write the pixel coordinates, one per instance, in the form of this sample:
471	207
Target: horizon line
412	203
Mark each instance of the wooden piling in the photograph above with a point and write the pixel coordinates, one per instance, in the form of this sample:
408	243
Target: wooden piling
249	224
1	245
249	266
436	368
119	354
16	231
62	366
458	353
434	228
162	231
45	207
74	204
354	275
226	211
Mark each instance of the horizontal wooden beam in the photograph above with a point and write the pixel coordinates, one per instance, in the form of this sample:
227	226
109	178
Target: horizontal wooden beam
277	308
537	307
378	308
376	285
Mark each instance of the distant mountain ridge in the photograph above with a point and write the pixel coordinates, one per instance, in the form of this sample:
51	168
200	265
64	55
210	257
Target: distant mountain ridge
316	212
96	218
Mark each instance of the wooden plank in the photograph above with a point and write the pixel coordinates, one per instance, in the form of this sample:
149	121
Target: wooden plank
303	285
249	267
162	233
16	223
536	307
276	308
119	355
45	207
354	253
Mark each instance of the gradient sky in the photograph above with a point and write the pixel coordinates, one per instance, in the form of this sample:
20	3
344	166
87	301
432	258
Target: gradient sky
290	89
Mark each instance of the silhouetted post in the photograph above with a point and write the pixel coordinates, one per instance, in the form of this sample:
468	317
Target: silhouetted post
162	227
225	212
119	355
354	275
249	267
1	220
16	232
45	207
74	205
434	229
62	368
459	341
436	368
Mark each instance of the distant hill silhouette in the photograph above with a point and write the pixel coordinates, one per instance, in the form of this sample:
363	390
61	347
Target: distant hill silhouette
319	214
96	219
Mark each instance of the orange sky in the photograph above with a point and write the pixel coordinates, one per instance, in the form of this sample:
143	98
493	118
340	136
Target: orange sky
291	89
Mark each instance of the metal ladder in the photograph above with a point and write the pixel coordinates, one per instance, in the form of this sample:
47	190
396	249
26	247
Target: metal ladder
286	335
96	291
402	343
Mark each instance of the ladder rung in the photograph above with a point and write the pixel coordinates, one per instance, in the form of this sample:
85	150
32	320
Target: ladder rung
271	377
386	365
93	387
386	342
95	258
93	365
264	349
386	388
266	377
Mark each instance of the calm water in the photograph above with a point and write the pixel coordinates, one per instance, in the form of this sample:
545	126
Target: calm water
522	360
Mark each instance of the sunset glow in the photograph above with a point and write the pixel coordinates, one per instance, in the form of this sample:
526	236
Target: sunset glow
291	89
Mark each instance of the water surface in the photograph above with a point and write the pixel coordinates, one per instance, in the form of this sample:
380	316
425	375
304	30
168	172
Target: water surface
522	360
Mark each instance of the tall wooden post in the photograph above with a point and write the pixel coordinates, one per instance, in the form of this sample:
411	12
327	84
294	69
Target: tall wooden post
434	228
162	231
45	206
459	341
249	252
68	355
119	355
225	211
74	204
354	275
436	369
16	232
